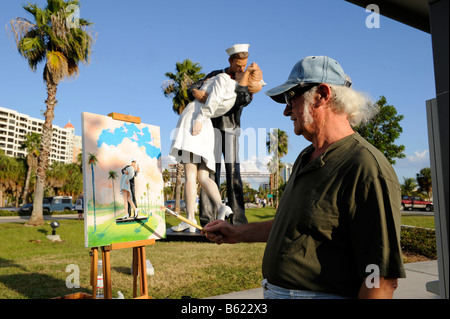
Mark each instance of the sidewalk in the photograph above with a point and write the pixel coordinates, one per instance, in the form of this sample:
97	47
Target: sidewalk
411	287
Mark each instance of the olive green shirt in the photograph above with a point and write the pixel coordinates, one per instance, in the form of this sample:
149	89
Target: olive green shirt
339	214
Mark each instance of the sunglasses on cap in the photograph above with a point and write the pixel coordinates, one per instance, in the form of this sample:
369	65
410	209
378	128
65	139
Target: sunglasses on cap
296	92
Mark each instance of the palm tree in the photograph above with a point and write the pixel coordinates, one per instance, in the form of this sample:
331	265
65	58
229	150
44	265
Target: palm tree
424	181
223	189
62	46
7	173
112	175
176	89
92	160
31	144
18	180
56	178
409	186
277	143
12	177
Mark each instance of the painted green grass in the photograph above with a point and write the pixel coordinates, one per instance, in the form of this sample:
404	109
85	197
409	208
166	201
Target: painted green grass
109	232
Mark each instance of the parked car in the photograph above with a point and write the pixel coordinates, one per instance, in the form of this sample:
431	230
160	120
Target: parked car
50	204
170	204
416	202
26	208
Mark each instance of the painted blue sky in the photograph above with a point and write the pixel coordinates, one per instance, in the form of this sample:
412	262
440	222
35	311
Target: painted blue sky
139	41
130	131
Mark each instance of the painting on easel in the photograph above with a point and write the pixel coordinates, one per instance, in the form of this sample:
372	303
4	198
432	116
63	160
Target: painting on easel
123	185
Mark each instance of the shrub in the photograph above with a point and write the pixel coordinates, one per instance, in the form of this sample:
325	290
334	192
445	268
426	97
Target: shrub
419	240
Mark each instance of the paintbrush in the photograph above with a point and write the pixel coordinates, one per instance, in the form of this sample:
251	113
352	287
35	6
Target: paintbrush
180	217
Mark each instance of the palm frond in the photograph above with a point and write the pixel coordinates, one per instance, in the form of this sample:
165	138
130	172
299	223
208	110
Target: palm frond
57	67
51	33
19	28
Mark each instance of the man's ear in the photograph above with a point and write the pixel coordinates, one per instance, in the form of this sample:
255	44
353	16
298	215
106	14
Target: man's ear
323	93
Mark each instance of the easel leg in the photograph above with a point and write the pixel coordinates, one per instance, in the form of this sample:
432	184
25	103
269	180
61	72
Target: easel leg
106	273
94	268
139	269
135	270
143	271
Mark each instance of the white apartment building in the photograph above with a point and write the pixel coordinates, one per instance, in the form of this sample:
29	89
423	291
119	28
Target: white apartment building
14	126
286	171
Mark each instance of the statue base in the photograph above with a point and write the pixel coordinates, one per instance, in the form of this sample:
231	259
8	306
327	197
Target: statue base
185	236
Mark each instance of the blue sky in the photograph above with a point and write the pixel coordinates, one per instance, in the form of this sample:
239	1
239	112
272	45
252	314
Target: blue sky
139	40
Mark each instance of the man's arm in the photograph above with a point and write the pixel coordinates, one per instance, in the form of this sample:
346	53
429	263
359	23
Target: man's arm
194	91
222	232
384	291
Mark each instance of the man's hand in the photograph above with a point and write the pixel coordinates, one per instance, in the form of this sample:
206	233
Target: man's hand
221	232
197	128
200	95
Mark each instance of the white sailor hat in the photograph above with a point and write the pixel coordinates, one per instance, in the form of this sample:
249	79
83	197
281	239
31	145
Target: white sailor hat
237	48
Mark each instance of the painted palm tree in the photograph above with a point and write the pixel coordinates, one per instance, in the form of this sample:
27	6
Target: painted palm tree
176	88
31	144
112	175
55	40
148	196
277	144
145	197
92	160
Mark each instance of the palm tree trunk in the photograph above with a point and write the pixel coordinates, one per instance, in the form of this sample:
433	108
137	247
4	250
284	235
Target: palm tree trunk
31	161
27	185
37	216
114	198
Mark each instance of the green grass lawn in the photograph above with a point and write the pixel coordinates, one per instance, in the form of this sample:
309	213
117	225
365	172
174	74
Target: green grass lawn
32	267
424	221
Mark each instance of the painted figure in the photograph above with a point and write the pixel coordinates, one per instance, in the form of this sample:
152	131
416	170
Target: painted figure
132	187
125	189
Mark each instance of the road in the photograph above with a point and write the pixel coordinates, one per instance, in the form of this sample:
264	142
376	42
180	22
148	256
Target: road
24	219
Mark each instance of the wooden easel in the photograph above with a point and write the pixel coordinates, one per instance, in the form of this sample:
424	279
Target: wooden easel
139	267
139	262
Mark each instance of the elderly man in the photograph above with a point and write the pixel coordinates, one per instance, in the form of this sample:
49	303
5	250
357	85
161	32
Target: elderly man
336	232
227	128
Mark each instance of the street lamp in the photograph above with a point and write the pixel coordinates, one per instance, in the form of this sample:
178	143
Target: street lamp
54	224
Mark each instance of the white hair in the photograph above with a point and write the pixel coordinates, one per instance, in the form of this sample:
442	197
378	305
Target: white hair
358	106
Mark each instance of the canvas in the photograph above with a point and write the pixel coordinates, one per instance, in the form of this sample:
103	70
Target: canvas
110	145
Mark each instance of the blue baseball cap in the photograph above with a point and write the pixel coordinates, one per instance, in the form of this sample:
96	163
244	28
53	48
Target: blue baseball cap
312	69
